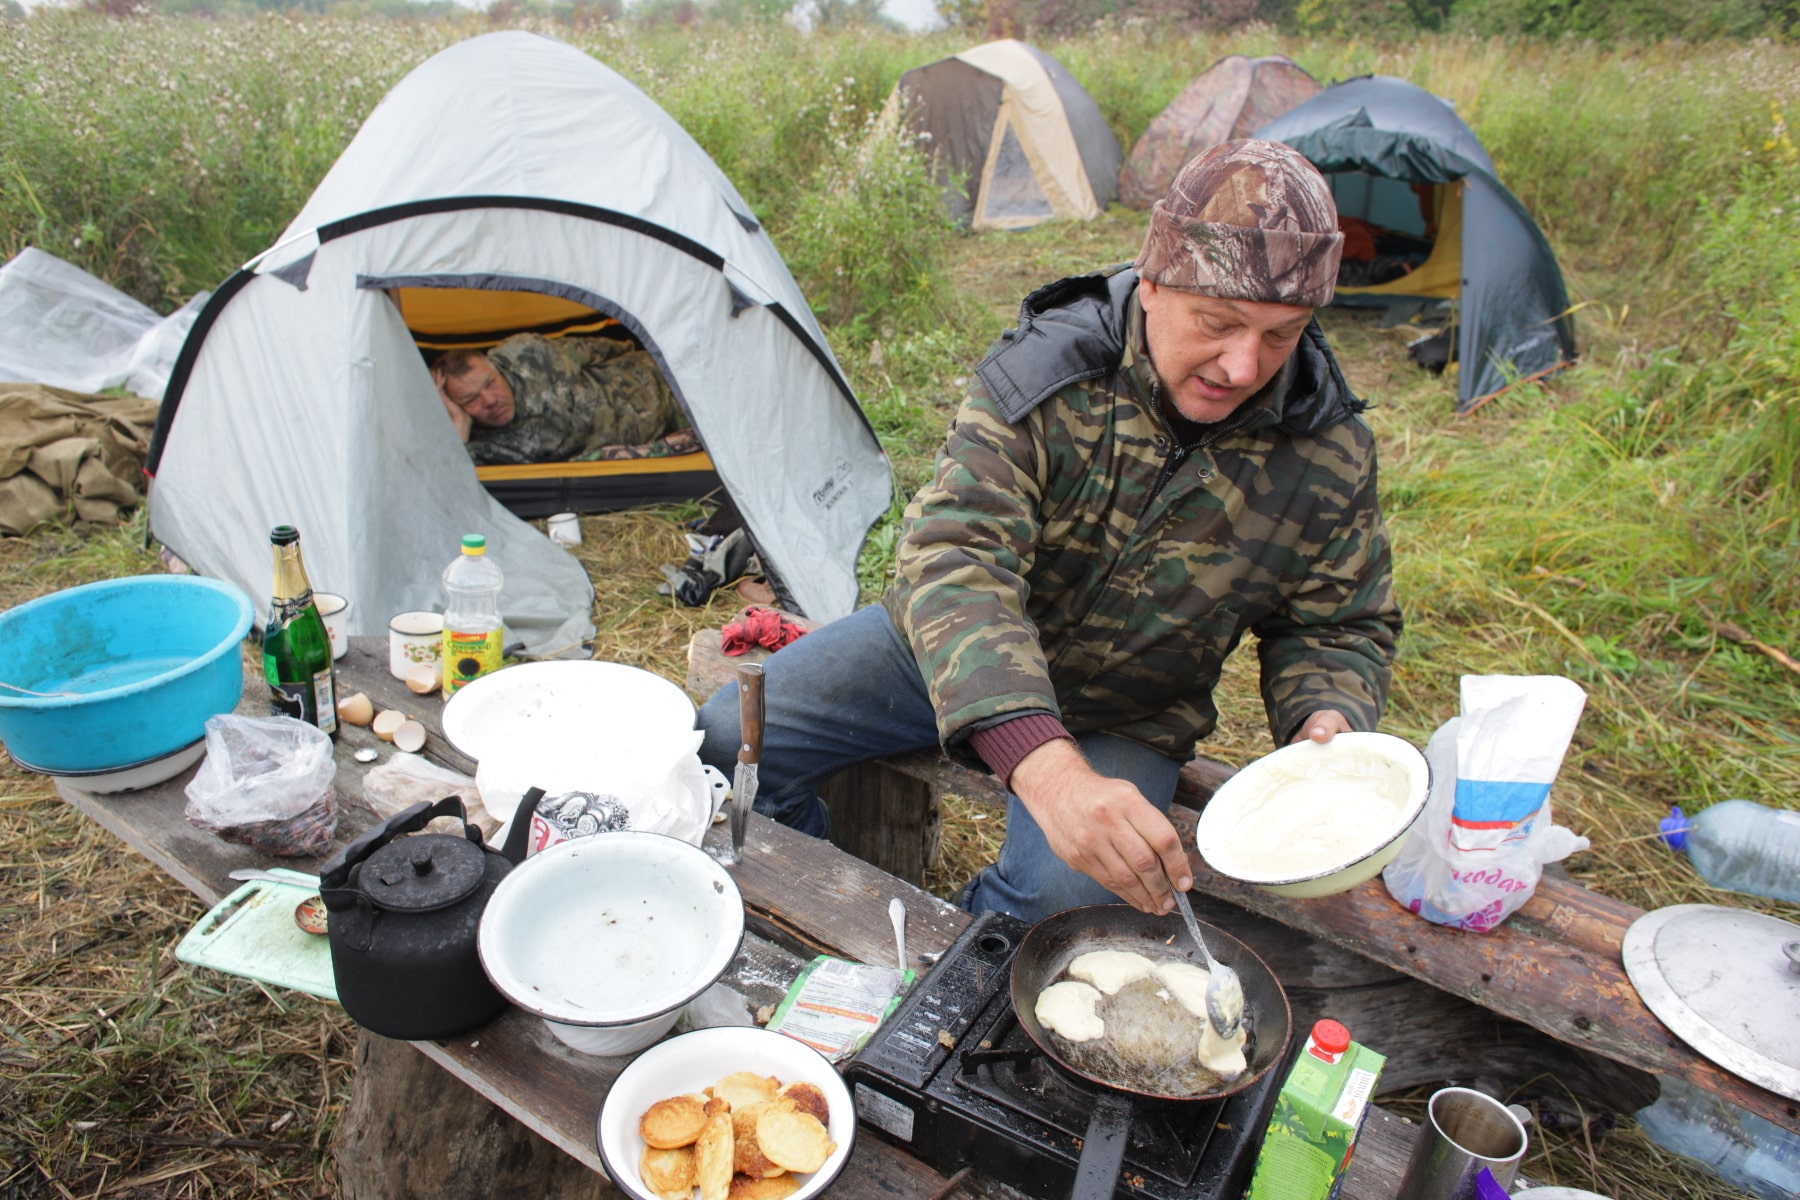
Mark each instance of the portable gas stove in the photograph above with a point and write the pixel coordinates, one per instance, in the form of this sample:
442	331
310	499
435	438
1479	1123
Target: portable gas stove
953	1078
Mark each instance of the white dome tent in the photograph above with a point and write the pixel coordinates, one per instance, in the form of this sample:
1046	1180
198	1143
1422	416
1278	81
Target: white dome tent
509	182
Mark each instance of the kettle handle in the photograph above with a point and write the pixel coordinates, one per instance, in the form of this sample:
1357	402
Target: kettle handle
335	874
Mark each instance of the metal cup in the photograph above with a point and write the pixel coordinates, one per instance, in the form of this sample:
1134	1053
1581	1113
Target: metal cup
1464	1131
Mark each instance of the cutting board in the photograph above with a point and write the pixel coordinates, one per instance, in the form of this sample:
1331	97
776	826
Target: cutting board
252	933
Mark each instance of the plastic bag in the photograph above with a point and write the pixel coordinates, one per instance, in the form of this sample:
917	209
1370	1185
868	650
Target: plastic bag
405	779
61	326
651	788
267	783
1478	851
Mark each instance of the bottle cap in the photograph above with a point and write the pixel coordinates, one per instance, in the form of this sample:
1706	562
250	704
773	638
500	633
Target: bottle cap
1675	828
474	544
284	535
1330	1037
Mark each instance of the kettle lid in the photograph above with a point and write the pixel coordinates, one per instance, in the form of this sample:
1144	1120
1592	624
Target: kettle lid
422	873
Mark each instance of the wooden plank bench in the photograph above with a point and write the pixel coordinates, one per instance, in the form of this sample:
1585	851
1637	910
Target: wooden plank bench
1545	995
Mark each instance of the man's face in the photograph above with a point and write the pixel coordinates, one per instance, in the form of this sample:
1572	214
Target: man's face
1212	354
481	392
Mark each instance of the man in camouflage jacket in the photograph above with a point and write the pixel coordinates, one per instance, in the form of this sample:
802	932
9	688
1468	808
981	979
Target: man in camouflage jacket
535	399
1153	463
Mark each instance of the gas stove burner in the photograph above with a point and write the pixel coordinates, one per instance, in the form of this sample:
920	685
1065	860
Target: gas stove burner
953	1078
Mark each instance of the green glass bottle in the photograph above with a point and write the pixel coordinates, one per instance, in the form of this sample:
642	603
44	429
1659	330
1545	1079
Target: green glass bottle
296	651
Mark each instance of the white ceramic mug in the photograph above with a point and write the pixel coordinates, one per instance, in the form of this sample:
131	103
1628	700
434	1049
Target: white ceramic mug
564	529
335	611
414	638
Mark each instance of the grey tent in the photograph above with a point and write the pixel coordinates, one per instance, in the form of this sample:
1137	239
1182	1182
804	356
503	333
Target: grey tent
1416	191
1015	139
509	183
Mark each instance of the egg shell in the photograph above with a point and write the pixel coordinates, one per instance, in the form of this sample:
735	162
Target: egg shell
386	722
423	679
410	737
357	709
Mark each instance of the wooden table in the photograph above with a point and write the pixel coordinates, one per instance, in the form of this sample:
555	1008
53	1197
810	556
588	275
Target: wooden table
802	895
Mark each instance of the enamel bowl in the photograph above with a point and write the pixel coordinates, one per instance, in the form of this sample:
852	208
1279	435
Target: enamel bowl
695	1061
113	681
608	937
1315	820
541	705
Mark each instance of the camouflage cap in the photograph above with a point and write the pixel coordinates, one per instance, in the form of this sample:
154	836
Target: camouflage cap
1246	220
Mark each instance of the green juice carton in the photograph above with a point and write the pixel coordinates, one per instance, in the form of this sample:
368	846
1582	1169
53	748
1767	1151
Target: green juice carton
1316	1117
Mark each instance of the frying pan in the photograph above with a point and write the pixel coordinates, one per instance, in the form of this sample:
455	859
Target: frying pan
1044	955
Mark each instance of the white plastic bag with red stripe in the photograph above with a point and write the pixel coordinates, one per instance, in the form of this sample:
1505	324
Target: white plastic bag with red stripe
1478	850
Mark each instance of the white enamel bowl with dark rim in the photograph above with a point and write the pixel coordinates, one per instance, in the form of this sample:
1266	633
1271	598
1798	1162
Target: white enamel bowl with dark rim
1279	822
608	937
694	1062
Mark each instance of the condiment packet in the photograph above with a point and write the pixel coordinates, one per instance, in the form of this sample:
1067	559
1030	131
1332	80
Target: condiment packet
835	1004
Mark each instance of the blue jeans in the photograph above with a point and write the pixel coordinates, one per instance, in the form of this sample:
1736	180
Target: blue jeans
850	692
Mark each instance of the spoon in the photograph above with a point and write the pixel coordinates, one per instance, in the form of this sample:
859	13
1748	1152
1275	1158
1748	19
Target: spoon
1223	988
897	914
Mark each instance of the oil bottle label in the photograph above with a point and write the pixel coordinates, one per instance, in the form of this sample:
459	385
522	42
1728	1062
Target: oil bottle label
468	656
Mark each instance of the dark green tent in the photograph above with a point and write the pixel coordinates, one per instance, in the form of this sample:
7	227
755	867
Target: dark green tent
1425	217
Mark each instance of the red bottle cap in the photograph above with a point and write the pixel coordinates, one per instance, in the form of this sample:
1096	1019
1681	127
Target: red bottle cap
1330	1037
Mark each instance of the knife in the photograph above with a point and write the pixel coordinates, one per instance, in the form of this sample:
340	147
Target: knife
750	735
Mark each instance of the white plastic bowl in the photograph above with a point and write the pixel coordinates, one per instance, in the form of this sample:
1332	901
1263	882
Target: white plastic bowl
1267	825
696	1061
566	704
608	937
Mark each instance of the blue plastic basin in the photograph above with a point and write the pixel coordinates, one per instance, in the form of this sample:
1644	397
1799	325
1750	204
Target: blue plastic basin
147	659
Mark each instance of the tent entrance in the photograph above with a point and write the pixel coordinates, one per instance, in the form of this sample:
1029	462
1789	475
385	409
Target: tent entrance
458	312
1400	239
1011	197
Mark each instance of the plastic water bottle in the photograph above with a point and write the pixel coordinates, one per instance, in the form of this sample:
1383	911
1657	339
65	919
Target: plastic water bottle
473	635
1739	1147
1741	846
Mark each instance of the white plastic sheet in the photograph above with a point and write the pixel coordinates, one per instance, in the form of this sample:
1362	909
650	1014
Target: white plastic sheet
63	327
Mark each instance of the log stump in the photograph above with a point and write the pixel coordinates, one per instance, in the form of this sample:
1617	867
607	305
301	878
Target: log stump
413	1132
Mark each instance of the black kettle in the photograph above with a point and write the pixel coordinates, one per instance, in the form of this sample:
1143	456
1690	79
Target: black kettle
402	918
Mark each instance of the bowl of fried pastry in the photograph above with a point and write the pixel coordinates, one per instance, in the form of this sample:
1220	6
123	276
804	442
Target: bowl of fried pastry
726	1114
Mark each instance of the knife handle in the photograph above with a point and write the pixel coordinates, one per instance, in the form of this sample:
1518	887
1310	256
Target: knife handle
750	712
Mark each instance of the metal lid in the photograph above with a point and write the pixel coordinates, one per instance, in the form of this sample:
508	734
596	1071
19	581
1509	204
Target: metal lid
1722	980
422	873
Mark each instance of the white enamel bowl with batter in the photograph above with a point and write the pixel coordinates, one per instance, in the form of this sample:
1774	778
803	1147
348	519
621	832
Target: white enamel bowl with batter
1315	820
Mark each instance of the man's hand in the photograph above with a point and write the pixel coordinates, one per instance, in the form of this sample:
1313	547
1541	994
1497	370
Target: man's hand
1102	827
1322	726
459	416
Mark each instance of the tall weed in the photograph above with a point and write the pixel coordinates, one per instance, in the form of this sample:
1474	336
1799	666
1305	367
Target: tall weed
866	238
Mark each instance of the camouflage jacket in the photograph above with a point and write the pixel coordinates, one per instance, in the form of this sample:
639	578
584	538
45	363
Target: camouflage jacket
571	396
1071	557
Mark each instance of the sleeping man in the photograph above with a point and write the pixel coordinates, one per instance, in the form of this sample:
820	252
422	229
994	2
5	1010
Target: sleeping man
536	399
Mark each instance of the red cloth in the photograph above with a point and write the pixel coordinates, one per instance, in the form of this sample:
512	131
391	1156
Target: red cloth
758	627
1359	238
